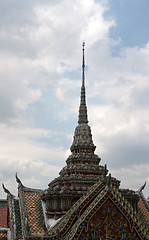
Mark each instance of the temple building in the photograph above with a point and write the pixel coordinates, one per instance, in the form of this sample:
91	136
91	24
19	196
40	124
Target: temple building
84	202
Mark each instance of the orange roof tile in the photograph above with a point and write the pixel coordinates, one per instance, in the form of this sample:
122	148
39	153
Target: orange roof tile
3	217
144	209
3	214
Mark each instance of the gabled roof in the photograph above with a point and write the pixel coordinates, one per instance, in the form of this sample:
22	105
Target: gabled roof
28	220
26	213
143	204
75	211
32	210
15	215
78	217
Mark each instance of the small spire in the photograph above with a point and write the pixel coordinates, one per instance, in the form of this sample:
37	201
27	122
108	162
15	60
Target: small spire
83	65
83	109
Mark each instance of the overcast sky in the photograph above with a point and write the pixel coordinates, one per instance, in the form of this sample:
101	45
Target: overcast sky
40	79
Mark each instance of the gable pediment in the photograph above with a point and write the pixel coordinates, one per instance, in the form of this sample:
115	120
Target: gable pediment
107	215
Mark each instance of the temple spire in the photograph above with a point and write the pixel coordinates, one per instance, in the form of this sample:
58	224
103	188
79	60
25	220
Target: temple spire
83	65
83	109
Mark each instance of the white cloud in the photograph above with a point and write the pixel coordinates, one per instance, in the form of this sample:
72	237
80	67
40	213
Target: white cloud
133	177
20	152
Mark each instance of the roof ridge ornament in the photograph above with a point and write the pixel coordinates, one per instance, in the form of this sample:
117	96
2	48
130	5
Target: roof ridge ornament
142	188
18	180
5	189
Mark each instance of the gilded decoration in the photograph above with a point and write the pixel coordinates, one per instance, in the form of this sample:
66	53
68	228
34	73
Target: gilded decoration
108	223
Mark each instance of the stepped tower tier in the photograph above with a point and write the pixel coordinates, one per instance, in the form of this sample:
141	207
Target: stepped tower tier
82	168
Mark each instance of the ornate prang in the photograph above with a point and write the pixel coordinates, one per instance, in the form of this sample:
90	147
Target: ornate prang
82	169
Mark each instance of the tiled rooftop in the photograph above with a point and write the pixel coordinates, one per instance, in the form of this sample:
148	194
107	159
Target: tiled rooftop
144	209
34	212
3	213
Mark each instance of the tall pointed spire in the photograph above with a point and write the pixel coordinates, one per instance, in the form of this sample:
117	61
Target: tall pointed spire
83	65
83	109
82	169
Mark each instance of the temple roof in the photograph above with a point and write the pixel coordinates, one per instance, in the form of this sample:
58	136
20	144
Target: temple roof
78	217
28	219
143	204
31	206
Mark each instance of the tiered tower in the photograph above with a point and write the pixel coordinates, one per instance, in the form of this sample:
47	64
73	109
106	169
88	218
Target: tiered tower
82	169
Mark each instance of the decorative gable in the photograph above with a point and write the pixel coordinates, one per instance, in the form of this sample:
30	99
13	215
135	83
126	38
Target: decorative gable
108	222
106	214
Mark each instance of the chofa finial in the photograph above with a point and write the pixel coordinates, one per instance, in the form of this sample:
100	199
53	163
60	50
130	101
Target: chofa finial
142	188
5	189
17	179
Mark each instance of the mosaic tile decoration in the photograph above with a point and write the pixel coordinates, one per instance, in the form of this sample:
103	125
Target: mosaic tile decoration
121	203
34	212
3	235
109	223
17	218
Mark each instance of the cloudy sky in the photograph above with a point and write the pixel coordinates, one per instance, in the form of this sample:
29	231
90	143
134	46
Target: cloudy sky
40	79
